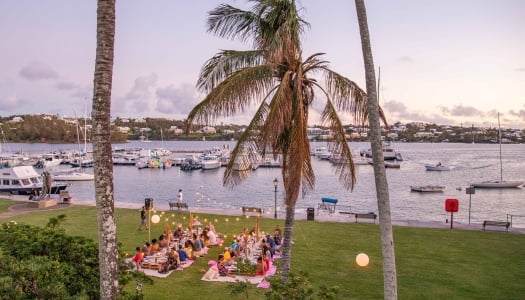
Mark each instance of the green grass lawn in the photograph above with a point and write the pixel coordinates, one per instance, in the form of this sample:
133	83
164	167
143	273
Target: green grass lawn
431	263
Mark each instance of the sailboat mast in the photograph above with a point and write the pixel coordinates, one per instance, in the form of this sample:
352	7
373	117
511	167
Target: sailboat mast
85	127
500	161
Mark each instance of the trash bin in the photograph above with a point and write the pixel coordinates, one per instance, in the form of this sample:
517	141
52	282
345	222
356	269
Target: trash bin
310	212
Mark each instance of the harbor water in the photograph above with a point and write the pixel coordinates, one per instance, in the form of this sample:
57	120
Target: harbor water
204	189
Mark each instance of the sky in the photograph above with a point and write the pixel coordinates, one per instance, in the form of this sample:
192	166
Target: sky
449	62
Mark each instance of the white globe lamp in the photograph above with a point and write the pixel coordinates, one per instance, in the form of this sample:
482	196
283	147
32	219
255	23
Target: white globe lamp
362	260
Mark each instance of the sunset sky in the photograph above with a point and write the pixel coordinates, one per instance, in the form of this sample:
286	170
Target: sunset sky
456	62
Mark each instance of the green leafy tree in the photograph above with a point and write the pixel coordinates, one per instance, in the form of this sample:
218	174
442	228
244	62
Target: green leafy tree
282	85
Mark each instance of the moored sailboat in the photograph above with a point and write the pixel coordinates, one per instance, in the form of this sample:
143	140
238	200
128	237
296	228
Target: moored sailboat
498	183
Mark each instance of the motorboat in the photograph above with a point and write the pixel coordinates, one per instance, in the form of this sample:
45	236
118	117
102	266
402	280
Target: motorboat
322	153
388	152
437	167
125	159
209	162
191	162
427	188
74	174
24	180
48	161
82	162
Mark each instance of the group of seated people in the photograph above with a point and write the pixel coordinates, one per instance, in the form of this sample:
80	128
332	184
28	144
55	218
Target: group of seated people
268	246
194	246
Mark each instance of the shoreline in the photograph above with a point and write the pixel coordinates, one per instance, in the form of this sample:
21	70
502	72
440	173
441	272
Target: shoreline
300	214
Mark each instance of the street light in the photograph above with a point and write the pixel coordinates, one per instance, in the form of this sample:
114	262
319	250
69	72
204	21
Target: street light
275	183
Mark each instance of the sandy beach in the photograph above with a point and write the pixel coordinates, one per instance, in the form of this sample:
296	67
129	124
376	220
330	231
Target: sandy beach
301	214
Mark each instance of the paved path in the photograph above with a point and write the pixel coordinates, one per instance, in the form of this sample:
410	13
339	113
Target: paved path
322	217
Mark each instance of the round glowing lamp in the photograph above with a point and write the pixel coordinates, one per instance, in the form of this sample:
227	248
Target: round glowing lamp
155	219
362	260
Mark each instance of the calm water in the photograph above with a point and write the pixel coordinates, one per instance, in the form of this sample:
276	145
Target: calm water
469	162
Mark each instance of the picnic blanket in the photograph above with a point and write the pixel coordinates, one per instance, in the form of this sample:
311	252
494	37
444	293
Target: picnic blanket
155	273
213	275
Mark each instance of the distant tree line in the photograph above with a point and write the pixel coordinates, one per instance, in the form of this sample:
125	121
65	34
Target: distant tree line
54	129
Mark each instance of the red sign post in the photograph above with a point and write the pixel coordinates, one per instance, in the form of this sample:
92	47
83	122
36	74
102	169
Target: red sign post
452	206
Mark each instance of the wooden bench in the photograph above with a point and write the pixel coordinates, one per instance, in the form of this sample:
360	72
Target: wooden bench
256	210
365	216
7	195
178	205
327	204
497	223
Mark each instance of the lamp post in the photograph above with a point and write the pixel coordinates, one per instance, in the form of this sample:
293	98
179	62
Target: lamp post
275	183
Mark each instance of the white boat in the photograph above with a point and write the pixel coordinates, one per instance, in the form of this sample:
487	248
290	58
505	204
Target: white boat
82	162
495	184
322	153
23	180
337	159
388	152
191	162
72	175
125	159
48	161
427	188
437	167
209	162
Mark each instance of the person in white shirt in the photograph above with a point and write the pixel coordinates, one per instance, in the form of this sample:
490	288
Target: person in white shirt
179	196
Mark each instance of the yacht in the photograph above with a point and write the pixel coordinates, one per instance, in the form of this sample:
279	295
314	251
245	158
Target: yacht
23	180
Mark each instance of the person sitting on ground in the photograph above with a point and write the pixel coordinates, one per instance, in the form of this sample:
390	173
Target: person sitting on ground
227	255
146	249
261	267
212	237
171	263
138	258
271	242
197	246
182	254
205	238
154	246
163	242
277	234
221	267
266	252
210	227
179	232
188	248
234	248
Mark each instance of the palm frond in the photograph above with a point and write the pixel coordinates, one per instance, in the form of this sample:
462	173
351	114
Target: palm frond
224	63
233	23
349	97
246	142
339	145
233	94
280	111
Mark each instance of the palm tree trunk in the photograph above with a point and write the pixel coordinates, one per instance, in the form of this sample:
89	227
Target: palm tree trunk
103	165
383	200
286	248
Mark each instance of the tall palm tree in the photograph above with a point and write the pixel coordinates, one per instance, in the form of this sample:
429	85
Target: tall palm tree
275	78
103	165
383	200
